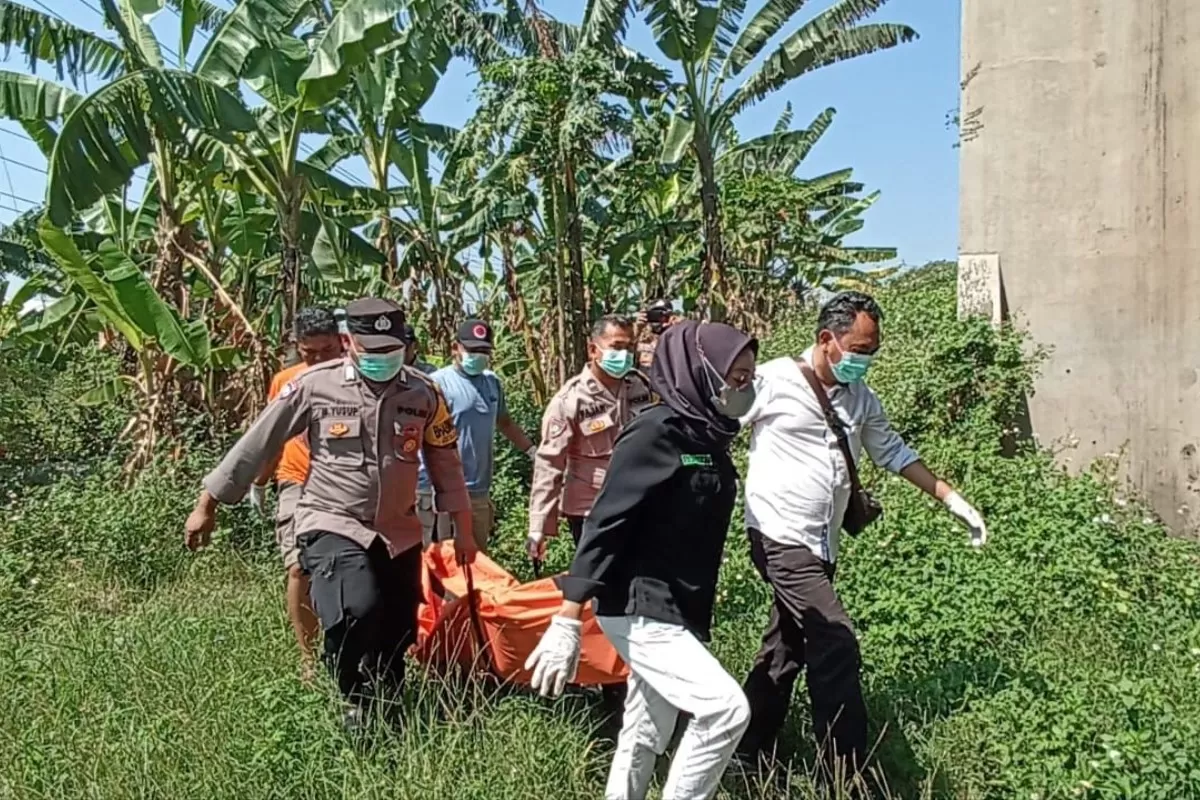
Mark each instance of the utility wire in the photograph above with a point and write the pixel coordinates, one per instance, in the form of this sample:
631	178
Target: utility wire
307	149
12	190
32	168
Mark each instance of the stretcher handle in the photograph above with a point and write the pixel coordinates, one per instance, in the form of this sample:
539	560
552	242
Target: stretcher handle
473	609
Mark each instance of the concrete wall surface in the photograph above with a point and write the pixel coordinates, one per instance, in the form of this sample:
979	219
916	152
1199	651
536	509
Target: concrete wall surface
1080	171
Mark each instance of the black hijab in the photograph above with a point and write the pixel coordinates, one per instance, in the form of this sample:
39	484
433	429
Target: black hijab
680	377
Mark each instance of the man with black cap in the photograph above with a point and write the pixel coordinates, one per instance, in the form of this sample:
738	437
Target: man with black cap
652	322
370	421
412	352
476	401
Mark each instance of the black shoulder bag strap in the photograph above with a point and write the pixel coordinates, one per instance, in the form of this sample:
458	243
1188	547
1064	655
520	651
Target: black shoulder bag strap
835	424
862	509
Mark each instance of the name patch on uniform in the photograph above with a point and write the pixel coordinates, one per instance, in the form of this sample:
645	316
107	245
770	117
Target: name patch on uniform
591	410
696	461
320	412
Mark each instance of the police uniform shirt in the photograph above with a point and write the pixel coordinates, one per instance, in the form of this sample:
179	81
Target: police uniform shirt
365	453
579	429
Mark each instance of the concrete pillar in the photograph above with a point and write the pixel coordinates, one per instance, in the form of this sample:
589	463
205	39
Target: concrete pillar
1080	171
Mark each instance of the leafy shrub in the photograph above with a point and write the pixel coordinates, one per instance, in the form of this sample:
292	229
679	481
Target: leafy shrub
88	528
44	432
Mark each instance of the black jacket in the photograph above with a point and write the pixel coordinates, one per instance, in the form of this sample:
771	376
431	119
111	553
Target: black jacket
653	541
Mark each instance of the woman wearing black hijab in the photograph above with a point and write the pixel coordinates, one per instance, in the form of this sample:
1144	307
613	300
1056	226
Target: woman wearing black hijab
649	557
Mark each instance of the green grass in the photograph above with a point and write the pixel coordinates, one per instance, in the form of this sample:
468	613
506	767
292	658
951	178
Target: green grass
192	691
1061	661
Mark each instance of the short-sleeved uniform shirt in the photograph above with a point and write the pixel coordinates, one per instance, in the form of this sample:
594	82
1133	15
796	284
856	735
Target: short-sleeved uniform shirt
476	402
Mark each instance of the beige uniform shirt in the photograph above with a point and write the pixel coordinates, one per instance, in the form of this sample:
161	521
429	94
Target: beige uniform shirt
579	429
362	481
645	351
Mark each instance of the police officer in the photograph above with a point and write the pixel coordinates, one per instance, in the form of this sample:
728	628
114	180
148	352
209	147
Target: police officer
652	322
579	429
367	417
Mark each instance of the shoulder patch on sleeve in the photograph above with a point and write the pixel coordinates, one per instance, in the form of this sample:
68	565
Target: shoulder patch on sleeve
440	430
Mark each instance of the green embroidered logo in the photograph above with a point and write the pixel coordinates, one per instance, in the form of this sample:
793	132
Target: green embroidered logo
696	461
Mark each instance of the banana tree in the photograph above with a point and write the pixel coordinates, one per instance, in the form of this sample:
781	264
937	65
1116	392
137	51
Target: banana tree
114	292
551	113
379	118
13	304
298	55
712	48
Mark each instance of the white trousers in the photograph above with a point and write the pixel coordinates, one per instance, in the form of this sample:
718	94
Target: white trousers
672	671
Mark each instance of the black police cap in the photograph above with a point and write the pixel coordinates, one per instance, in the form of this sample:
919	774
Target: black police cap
375	323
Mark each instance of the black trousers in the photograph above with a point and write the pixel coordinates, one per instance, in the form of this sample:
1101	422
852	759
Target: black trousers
808	628
367	604
575	526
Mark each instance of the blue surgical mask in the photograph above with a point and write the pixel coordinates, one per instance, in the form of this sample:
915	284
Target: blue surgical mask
852	367
380	367
616	363
474	363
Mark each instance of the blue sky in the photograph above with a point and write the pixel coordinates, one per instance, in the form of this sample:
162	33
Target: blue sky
890	126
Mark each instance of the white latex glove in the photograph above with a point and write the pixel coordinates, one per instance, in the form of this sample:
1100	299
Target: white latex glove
960	508
535	546
258	499
556	658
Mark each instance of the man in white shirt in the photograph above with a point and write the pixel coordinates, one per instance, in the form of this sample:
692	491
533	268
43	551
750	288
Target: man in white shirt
797	488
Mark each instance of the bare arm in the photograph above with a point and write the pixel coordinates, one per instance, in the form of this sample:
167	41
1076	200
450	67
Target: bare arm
919	476
512	431
571	610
